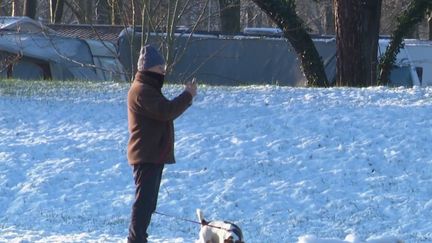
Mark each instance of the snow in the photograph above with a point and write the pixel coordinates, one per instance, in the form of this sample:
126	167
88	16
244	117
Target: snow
280	162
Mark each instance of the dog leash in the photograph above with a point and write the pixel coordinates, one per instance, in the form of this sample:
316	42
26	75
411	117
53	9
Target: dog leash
191	221
172	216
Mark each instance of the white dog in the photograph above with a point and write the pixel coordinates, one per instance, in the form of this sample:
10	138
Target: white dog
218	231
348	239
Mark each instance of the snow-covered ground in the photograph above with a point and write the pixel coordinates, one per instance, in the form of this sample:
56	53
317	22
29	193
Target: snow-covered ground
280	162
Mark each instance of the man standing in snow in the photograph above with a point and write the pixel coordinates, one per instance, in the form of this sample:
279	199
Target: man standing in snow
151	130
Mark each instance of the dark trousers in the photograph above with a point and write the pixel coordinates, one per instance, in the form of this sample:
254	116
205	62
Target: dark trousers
147	181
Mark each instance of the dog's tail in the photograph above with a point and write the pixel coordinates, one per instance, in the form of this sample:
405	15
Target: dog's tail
200	216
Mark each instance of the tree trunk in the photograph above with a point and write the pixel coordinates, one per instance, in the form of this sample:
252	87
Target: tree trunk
146	26
430	25
103	12
372	14
89	11
56	9
110	11
329	23
2	9
86	10
229	16
283	13
414	14
115	7
30	8
357	33
14	8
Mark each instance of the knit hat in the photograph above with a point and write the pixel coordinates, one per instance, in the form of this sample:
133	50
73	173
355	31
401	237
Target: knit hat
149	57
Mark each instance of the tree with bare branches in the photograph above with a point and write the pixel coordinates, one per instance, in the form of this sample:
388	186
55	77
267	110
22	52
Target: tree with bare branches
229	16
14	8
56	10
30	8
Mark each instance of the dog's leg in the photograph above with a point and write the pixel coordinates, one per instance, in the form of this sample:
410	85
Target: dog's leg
202	236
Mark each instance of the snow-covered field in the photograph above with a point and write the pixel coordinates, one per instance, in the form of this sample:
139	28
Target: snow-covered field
280	162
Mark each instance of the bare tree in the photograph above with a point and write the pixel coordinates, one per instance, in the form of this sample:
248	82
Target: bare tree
357	33
229	16
2	8
254	17
178	9
56	10
88	10
328	17
390	10
30	8
15	8
159	21
115	7
83	10
103	13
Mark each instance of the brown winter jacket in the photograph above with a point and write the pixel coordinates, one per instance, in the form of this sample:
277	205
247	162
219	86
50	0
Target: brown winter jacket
150	120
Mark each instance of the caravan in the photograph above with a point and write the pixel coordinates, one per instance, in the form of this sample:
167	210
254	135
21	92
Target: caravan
420	57
413	65
262	56
30	50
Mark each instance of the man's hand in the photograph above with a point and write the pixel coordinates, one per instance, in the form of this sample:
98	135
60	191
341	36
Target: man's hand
191	87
